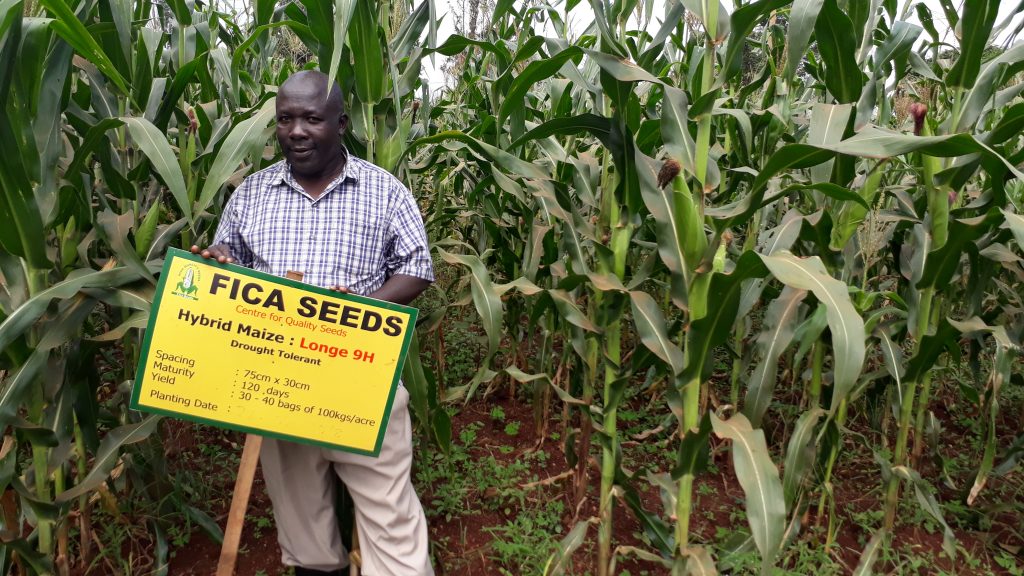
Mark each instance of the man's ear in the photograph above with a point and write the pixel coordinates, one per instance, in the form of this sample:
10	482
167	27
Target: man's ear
342	124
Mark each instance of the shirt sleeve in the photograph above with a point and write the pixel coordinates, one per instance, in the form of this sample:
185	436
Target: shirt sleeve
229	231
407	250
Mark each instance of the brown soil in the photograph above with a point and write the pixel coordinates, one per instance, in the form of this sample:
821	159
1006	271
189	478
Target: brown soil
467	548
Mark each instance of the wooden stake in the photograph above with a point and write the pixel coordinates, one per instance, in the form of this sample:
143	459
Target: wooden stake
239	504
355	560
240	497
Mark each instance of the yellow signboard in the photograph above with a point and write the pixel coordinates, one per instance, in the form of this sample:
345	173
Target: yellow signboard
246	350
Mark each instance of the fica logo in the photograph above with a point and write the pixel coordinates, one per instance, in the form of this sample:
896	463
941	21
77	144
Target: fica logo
188	284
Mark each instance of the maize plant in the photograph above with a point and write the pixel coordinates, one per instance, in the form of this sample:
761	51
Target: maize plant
763	215
125	123
643	188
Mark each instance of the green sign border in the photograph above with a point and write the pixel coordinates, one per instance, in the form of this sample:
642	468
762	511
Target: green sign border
150	328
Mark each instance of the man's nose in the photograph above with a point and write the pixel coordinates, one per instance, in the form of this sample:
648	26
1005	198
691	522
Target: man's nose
299	130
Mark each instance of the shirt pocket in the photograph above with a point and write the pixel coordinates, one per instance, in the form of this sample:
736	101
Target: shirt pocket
359	248
278	237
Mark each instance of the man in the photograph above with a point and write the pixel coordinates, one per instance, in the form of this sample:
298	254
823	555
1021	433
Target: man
351	226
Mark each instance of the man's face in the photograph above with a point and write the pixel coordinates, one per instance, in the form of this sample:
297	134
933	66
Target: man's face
309	129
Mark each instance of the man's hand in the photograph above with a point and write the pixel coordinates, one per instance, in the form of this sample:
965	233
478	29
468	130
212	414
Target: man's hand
401	289
341	289
220	252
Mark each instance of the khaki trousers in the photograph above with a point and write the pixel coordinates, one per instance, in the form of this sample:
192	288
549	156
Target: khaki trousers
390	520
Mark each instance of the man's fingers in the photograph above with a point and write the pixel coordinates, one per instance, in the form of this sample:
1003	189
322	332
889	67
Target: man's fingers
217	252
222	257
341	289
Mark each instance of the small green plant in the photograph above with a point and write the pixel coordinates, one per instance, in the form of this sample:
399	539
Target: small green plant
498	414
512	429
1013	566
523	544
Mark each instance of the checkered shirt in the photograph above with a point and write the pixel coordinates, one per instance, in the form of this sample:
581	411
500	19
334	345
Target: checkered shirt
362	230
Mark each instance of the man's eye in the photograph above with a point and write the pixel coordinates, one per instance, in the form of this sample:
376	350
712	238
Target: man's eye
313	120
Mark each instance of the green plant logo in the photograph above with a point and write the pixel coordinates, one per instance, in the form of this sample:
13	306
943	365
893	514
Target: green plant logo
188	285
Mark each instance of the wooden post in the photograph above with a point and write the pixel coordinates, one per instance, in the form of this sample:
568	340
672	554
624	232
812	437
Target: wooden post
239	503
355	559
240	497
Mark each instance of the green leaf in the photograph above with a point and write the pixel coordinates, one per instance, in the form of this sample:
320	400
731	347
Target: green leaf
693	450
920	67
974	31
536	71
243	138
742	24
994	72
699	562
146	231
257	33
943	263
116	228
152	142
138	321
651	326
318	15
17	384
838	49
485	298
506	161
620	69
94	138
925	16
598	126
71	29
929	349
1015	222
926	498
765	503
802	17
30	555
827	188
181	10
561	560
789	156
828	123
161	551
179	83
893	357
1002	370
896	45
871	551
845	323
875	142
26	315
570	311
676	133
779	327
704	10
203	520
409	34
65	328
108	455
369	66
456	44
1010	125
22	231
723	301
800	455
661	203
264	11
